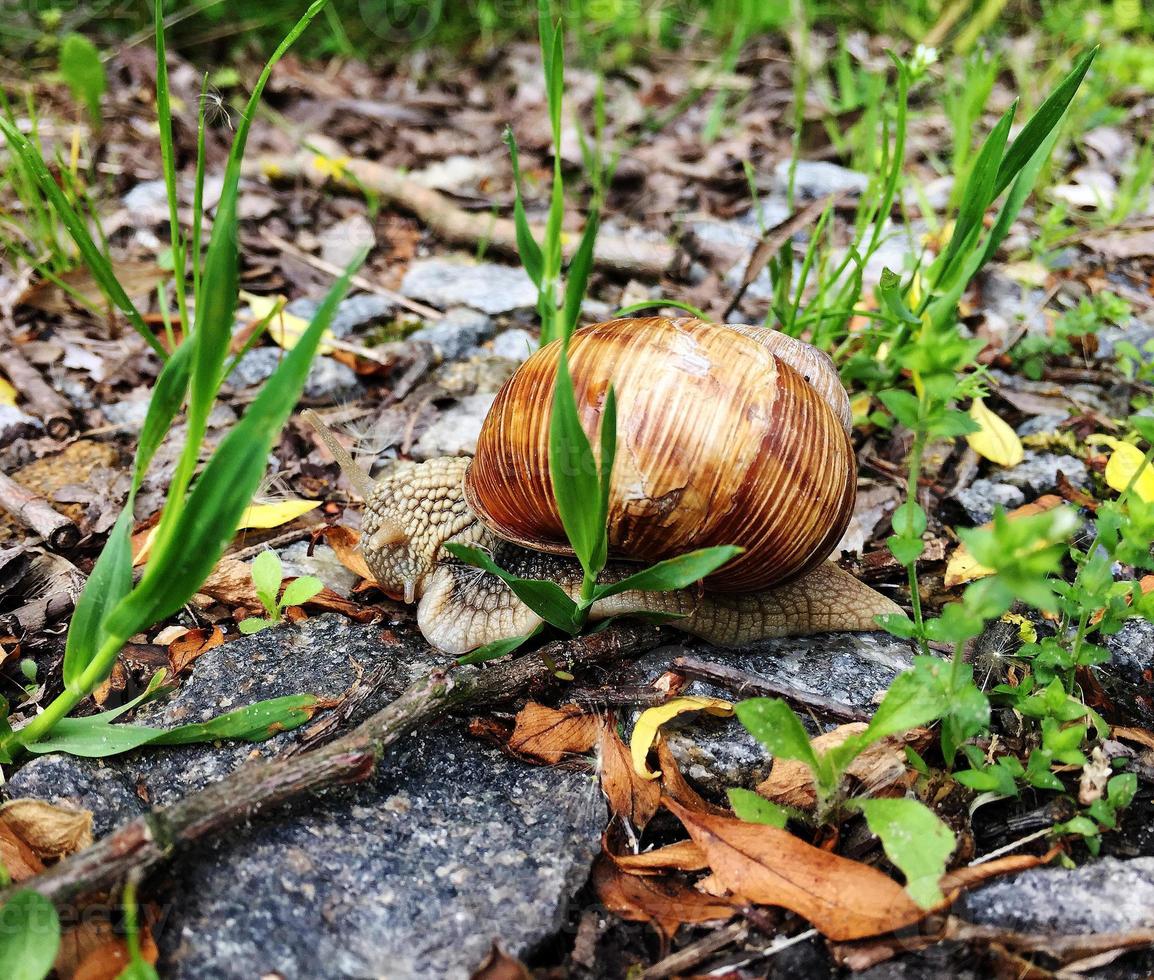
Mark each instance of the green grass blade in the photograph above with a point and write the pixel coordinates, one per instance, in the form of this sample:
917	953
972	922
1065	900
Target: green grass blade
168	162
673	573
608	458
97	262
577	280
547	599
167	396
1042	122
207	522
573	471
527	247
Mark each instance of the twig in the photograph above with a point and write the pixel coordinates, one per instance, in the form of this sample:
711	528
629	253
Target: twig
684	960
617	253
33	511
257	786
743	682
46	402
428	312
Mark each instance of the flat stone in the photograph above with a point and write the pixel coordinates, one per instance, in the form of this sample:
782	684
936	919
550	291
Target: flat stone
717	753
1105	895
456	429
487	287
513	345
342	242
982	497
817	178
411	874
327	381
1132	651
322	563
457	332
1038	472
129	413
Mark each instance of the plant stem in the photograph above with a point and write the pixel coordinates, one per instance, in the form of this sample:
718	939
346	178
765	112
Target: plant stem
912	569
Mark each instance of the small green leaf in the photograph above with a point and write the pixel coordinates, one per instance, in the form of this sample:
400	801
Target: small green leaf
266	577
498	648
916	841
916	697
773	723
83	72
547	599
300	590
29	936
673	573
253	624
750	807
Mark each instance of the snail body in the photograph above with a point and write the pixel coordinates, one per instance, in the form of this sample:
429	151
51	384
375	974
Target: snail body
726	435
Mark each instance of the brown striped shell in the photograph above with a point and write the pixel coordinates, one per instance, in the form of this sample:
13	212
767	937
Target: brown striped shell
719	441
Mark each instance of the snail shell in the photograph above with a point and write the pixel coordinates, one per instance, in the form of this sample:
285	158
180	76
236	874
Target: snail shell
719	441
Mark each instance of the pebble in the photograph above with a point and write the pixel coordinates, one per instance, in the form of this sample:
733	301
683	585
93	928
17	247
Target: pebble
353	313
817	178
457	332
487	287
455	431
15	424
1038	472
982	497
328	381
513	345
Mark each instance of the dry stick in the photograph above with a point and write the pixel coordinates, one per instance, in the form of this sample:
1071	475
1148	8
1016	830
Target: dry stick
450	223
33	511
742	682
258	786
46	402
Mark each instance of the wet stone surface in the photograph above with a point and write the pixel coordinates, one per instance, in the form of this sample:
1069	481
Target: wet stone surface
487	287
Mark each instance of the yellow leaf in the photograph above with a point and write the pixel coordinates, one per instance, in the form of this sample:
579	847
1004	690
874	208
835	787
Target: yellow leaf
274	515
645	731
859	407
285	328
1123	463
964	567
994	440
331	167
7	393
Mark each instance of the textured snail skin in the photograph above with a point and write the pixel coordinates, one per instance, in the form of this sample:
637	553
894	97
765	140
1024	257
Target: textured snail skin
418	507
724	436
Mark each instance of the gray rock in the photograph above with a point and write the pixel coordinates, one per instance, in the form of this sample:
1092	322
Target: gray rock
342	242
128	413
328	380
147	202
1106	895
817	178
352	313
1012	303
981	497
411	874
15	424
1038	472
487	287
322	563
1137	332
457	332
455	431
514	345
1132	651
717	753
1041	424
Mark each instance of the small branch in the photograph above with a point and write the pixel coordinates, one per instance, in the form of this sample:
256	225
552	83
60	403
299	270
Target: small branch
147	841
742	682
46	402
617	253
33	511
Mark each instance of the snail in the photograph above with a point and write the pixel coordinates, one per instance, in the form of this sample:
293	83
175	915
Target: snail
726	435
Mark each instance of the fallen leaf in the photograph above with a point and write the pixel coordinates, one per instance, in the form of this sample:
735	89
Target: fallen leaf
648	725
549	734
1139	735
499	965
960	879
284	328
105	954
331	601
230	582
682	856
346	545
677	787
1121	245
994	440
963	567
630	797
187	647
7	393
1124	463
138	279
51	831
17	857
663	901
842	899
262	516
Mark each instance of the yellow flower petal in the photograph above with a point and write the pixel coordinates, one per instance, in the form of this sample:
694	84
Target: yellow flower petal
284	328
651	720
274	515
331	167
7	393
1124	462
994	440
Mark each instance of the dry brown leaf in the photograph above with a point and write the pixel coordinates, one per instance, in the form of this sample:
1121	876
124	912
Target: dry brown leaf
51	831
499	965
100	954
677	787
331	601
630	797
682	856
17	857
230	582
1119	244
975	874
881	769
345	543
189	645
549	734
1140	735
138	279
841	898
664	901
